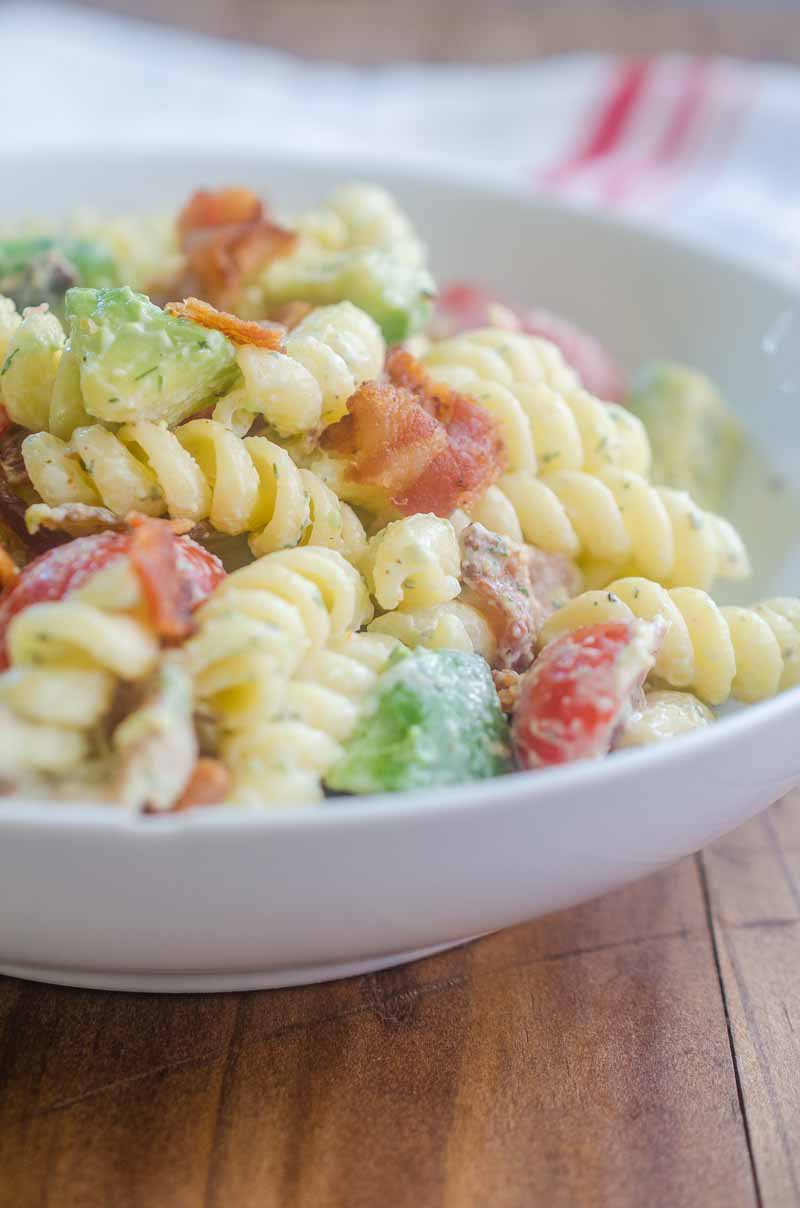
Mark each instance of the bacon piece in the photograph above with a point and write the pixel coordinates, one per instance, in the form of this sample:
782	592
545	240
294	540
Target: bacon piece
496	575
12	465
238	331
429	448
474	456
554	579
506	685
404	369
5	420
390	438
9	571
13	476
227	238
153	554
460	475
208	785
12	519
516	587
222	208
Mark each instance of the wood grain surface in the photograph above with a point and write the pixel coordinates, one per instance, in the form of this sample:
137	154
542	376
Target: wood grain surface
378	30
638	1052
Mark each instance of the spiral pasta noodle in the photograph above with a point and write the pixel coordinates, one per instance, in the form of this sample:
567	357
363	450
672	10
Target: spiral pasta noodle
255	632
548	420
67	658
413	563
716	652
454	625
664	714
285	758
199	471
29	368
325	359
362	215
617	520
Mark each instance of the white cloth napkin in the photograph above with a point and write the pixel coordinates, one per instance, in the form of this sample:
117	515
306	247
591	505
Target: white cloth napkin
707	146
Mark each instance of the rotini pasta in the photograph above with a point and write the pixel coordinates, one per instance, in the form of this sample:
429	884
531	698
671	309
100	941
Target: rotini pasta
327	356
259	626
454	625
716	652
664	714
200	470
413	563
29	370
361	215
358	246
285	759
548	420
618	520
9	322
66	659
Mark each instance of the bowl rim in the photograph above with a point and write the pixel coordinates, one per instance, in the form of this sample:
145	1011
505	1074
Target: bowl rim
386	808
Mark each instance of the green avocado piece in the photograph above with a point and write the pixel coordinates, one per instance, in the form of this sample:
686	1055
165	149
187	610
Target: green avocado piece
695	438
434	719
42	268
398	296
139	363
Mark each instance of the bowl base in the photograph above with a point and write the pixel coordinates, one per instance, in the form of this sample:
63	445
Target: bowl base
214	983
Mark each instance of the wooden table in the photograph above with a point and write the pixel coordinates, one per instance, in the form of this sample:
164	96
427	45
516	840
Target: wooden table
639	1051
642	1050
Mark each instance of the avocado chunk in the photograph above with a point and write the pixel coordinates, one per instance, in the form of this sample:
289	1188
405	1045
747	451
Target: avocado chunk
695	438
399	296
42	268
434	719
137	362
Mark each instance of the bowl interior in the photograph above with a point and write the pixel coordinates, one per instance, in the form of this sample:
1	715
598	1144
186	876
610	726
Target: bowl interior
643	294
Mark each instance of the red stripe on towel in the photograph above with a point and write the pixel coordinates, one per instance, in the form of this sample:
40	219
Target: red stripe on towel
610	124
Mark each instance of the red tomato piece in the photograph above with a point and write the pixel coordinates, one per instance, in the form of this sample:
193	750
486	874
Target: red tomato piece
579	690
463	307
167	585
64	569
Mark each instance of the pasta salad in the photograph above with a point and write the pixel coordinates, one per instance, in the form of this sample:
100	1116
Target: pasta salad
280	523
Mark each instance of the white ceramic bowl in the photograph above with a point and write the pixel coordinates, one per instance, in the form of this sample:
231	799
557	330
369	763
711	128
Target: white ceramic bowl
230	900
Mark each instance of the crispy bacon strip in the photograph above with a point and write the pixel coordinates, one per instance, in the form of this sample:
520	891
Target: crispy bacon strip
9	571
227	238
506	685
496	576
516	587
12	465
208	785
238	331
554	578
12	519
390	438
430	448
154	557
224	207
